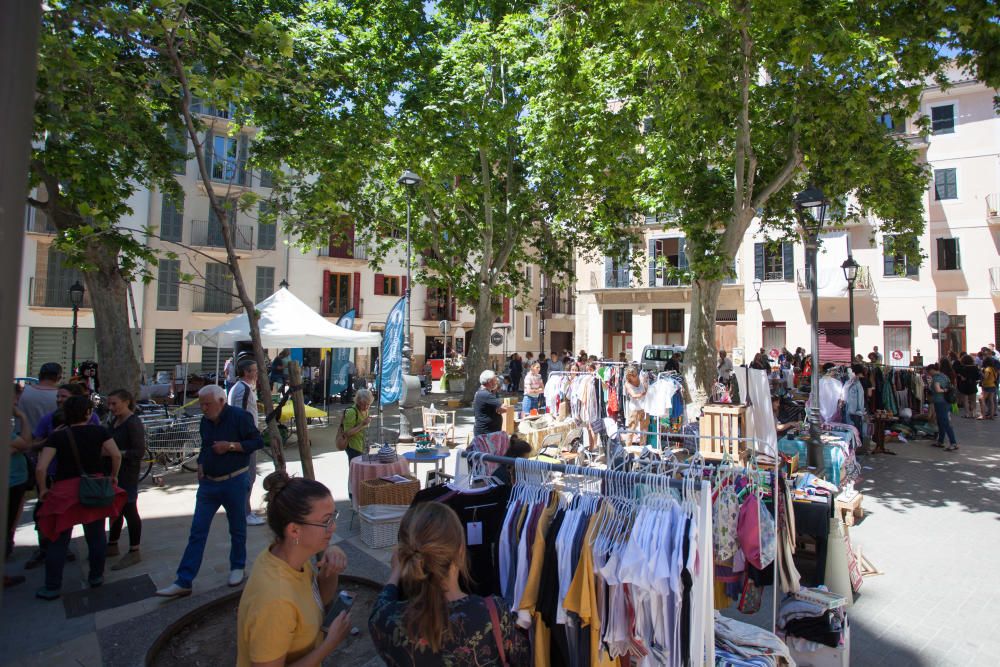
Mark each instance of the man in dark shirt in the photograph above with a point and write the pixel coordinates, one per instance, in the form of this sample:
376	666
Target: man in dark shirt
228	436
486	405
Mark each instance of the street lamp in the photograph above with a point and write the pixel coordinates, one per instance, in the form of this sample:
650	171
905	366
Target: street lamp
757	284
850	268
76	292
409	180
810	209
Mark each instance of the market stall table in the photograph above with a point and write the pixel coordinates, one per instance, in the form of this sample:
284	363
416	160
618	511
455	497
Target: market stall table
437	457
362	469
535	436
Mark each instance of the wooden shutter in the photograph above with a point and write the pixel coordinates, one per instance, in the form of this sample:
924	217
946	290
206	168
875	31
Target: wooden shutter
940	253
326	293
506	309
357	293
758	261
958	254
404	283
889	261
208	149
379	284
788	261
682	258
652	263
241	160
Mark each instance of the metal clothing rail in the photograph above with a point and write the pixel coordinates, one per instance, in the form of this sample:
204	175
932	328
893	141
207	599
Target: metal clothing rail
567	469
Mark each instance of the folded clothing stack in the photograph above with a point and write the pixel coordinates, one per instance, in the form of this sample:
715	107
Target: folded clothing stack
739	644
807	623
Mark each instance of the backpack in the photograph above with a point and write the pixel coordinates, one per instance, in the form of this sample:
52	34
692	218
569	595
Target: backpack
342	439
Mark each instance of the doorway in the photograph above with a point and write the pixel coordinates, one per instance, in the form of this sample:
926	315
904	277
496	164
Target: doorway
725	330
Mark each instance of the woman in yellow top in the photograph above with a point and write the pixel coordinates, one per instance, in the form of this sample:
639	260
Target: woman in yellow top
281	610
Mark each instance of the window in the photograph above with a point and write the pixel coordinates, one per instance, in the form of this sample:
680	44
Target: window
943	119
949	256
440	305
266	178
953	336
894	260
168	284
167	347
897	343
52	290
172	219
224	151
773	336
527	275
894	125
218	294
945	184
774	261
391	285
267	231
338	294
178	141
667	262
668	326
265	283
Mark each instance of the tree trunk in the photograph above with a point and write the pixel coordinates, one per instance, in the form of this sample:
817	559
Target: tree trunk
477	357
119	368
699	358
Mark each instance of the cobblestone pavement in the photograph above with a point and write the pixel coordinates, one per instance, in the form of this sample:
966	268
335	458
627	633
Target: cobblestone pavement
931	527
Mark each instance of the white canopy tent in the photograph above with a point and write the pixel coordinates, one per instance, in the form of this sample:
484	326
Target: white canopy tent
285	321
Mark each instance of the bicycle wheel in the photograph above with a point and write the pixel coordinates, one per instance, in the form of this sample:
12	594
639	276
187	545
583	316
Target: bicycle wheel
149	468
190	464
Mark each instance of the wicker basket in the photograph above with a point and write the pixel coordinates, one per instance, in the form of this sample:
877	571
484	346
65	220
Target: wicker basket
381	492
380	525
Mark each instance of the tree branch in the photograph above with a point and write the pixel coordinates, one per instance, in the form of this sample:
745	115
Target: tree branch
784	176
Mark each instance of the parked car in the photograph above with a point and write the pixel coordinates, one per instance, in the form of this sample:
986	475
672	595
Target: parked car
655	357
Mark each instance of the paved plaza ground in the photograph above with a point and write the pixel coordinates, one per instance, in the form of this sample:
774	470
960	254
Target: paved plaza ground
931	527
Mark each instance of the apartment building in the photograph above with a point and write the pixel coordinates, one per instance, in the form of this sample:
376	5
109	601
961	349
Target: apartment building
768	303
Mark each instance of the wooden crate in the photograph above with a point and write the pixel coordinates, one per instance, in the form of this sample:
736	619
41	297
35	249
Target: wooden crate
719	421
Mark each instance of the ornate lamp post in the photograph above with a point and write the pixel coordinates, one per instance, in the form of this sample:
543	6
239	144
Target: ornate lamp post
810	208
409	180
76	293
541	325
850	268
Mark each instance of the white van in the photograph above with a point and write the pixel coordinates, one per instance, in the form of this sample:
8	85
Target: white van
655	357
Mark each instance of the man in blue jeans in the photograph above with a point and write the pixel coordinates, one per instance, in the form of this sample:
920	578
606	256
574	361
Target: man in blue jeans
228	436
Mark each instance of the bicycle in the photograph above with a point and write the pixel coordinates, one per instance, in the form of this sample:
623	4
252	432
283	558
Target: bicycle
172	441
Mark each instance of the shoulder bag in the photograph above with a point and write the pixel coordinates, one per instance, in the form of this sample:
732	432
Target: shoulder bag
342	439
491	607
95	490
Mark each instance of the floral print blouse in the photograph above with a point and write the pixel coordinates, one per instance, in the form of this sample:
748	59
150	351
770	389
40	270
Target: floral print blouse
472	640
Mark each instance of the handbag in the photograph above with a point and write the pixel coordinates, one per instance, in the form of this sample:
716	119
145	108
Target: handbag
342	439
95	490
491	607
756	532
750	597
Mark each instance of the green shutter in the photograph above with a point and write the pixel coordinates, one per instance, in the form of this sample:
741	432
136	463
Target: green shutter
788	261
758	261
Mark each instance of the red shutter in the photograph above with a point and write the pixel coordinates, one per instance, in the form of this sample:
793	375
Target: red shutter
357	293
506	309
325	306
403	281
379	284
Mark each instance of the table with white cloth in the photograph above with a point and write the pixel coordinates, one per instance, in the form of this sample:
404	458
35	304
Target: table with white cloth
535	436
362	469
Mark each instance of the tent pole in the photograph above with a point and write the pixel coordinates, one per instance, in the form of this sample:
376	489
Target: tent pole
187	371
378	385
217	354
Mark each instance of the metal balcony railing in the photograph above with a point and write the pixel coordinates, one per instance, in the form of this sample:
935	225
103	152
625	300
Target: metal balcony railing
360	251
209	300
43	293
336	310
37	222
208	233
863	282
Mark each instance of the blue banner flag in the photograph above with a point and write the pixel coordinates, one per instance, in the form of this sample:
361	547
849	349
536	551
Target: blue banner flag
391	363
340	357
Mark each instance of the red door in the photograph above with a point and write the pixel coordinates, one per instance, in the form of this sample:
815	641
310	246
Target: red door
834	342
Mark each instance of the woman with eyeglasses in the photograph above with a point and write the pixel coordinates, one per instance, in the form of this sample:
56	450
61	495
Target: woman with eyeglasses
281	611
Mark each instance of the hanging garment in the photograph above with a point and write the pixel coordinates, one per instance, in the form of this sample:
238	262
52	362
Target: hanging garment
831	392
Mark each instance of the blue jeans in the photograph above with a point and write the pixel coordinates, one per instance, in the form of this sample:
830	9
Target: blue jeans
251	478
942	412
231	495
530	403
55	554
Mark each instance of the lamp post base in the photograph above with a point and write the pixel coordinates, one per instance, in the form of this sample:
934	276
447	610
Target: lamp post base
814	448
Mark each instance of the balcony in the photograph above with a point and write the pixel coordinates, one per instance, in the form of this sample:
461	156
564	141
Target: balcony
43	293
359	251
37	222
208	233
993	208
863	283
617	278
214	301
336	310
995	281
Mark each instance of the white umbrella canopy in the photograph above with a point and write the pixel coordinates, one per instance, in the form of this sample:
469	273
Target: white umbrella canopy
285	321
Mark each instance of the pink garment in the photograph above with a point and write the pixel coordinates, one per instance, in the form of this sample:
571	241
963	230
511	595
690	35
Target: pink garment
491	443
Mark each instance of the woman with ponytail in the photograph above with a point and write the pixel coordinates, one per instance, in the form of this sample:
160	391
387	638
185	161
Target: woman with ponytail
424	618
281	610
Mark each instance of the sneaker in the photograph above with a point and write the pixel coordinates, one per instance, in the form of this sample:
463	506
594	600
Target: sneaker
47	594
235	577
12	580
112	549
254	520
173	591
128	560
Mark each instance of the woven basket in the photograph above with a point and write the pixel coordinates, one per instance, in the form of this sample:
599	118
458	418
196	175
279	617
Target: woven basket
380	525
381	492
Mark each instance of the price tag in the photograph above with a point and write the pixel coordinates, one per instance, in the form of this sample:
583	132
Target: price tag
474	533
